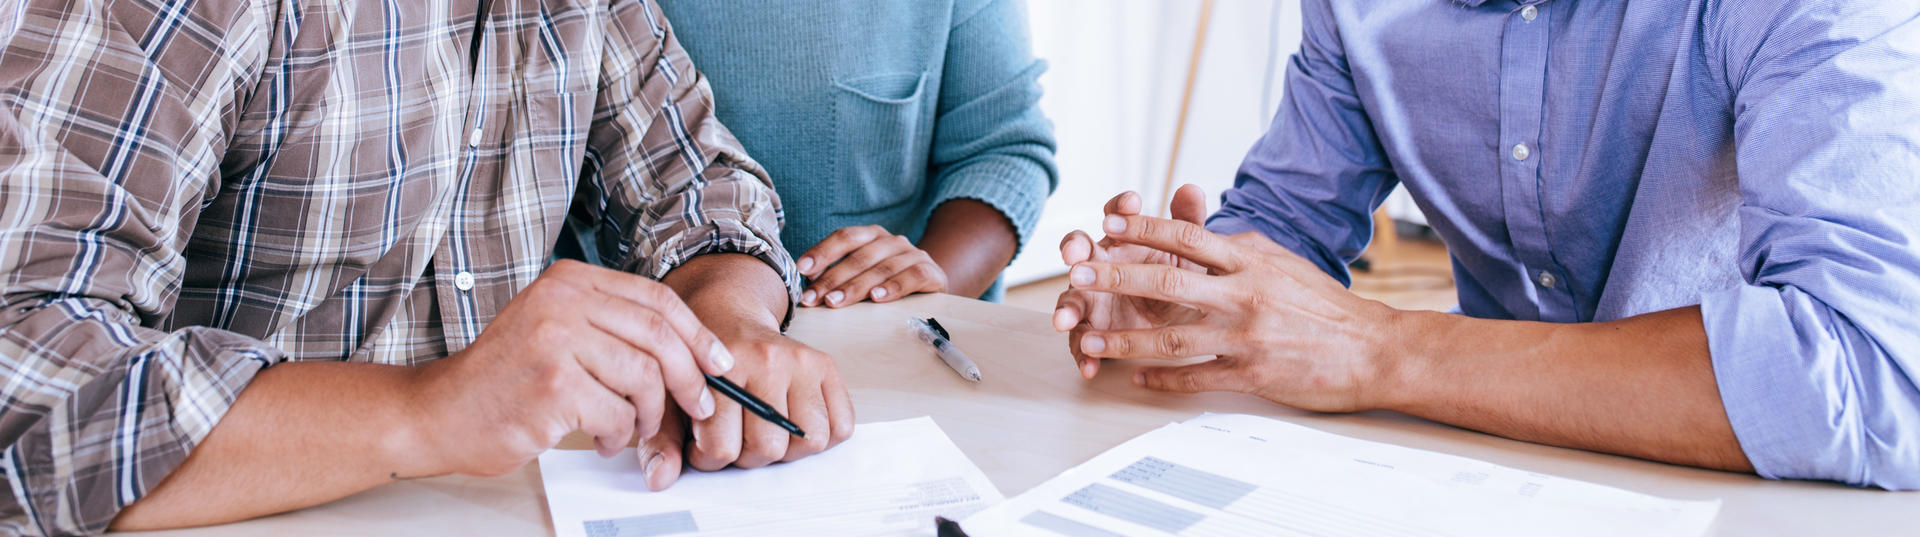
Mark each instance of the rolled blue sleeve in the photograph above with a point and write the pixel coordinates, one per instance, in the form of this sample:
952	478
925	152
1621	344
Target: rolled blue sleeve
1816	355
991	142
1312	182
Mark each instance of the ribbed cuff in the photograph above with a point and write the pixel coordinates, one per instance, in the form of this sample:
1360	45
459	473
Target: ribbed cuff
1016	187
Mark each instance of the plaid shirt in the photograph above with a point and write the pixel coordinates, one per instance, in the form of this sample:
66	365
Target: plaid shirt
196	190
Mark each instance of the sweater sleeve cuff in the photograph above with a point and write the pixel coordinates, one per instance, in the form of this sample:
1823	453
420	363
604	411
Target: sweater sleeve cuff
1015	187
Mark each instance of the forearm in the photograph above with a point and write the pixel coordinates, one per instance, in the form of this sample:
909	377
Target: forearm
1642	387
972	242
299	435
729	288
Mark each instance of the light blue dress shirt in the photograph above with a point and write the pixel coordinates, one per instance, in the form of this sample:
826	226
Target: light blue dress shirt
1590	160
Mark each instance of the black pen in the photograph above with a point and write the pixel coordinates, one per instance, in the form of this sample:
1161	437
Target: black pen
753	404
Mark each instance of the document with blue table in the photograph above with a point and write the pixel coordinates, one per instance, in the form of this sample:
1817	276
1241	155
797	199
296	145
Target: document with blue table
1238	475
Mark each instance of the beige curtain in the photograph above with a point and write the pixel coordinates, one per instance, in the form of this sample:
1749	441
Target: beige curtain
1114	90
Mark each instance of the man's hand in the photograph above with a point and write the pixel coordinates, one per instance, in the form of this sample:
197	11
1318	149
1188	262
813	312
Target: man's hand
1081	310
741	299
583	348
861	262
1280	327
814	399
800	382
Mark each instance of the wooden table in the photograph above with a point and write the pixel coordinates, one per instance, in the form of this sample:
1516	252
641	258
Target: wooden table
1033	417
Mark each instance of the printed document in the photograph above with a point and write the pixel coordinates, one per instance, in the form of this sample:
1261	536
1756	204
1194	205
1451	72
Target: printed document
890	479
1237	475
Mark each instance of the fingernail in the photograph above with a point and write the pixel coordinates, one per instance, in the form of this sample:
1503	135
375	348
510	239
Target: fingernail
834	297
653	463
1092	344
1080	275
879	293
722	360
1060	318
706	403
807	297
1116	224
806	265
1086	369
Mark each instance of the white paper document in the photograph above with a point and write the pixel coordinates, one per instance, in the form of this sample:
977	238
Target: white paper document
890	479
1238	475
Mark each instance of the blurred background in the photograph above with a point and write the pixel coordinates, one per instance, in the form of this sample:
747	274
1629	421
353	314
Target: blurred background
1117	83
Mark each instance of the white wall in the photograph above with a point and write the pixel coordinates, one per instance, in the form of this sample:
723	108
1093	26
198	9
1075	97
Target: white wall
1113	92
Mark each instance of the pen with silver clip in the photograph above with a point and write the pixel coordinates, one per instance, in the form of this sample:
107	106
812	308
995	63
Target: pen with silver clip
931	332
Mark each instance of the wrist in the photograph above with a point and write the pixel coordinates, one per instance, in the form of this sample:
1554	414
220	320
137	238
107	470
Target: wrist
971	242
730	288
1398	361
411	446
731	314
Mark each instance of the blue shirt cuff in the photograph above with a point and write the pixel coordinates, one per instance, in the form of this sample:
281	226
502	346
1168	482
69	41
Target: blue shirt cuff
1233	225
1809	395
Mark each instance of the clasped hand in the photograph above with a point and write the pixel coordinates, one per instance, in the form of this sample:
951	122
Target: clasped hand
1169	289
867	262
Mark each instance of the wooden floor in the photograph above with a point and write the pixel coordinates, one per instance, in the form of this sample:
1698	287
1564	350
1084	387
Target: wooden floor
1406	274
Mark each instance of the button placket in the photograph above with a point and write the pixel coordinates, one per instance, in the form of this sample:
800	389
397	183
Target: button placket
460	313
1525	50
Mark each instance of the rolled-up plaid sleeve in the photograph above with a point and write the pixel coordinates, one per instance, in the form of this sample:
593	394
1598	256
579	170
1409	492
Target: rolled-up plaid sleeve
666	181
107	140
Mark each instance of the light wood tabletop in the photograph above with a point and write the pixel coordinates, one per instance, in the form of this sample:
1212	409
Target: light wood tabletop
1033	417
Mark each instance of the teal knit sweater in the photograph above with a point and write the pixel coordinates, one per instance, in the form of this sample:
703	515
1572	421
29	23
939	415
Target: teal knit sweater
878	111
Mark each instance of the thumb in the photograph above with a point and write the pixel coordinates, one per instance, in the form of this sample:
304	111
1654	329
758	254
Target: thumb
661	454
1189	204
1214	375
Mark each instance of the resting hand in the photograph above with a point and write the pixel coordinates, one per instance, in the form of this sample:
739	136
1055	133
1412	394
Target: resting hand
1279	326
1080	310
867	262
800	382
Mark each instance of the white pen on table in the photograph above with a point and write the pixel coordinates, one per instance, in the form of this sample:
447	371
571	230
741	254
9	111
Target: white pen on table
931	332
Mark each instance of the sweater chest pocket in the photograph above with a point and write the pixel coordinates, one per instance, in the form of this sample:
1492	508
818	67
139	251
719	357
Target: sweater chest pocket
882	136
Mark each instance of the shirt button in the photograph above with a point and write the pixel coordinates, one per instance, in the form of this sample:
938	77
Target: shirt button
1521	152
473	138
463	281
1546	280
1529	13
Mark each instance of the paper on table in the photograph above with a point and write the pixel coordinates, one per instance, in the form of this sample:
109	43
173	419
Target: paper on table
889	479
1220	475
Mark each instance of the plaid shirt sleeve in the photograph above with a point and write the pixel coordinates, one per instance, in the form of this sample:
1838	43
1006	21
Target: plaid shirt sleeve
107	143
664	179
